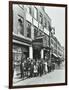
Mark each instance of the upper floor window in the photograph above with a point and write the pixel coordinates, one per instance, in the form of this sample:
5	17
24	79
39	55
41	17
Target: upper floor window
21	26
47	40
49	26
41	18
55	51
28	29
40	33
51	41
21	6
45	22
29	9
51	49
35	13
35	32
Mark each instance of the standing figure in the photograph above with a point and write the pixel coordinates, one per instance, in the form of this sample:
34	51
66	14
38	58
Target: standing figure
35	70
49	66
46	69
40	68
31	68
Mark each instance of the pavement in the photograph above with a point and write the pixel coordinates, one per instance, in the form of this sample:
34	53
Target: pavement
56	76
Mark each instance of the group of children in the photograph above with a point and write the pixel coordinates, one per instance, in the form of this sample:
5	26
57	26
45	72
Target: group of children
33	68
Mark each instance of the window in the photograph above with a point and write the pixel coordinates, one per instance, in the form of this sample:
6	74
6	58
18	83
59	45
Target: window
45	22
51	49
35	13
21	6
29	10
55	45
43	8
55	51
35	32
49	26
41	18
47	40
40	33
28	29
17	53
21	26
51	41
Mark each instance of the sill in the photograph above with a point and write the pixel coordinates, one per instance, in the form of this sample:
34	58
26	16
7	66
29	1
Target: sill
21	36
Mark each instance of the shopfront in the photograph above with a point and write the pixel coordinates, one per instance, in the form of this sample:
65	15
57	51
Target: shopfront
46	54
40	48
54	57
20	52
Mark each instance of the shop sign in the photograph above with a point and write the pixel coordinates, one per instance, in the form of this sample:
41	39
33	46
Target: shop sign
37	45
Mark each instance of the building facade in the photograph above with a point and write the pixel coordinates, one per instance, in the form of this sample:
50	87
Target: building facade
31	28
57	51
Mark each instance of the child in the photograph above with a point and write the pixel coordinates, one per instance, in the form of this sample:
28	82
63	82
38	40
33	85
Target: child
35	70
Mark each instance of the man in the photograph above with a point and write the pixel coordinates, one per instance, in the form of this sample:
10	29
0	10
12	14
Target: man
49	66
31	68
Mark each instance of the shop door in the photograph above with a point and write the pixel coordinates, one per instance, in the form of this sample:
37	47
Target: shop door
36	54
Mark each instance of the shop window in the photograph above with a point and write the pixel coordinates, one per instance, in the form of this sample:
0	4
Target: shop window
35	13
17	54
28	30
21	26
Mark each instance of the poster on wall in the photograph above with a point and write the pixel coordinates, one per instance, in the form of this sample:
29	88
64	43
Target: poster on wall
37	44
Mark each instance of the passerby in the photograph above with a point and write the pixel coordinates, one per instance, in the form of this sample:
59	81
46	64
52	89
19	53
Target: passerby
37	63
25	73
43	67
31	68
35	70
22	67
46	69
49	66
40	68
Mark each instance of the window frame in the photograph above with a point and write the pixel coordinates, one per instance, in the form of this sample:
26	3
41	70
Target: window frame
27	29
22	22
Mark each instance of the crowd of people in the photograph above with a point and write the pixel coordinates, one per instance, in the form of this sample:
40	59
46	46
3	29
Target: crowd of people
35	67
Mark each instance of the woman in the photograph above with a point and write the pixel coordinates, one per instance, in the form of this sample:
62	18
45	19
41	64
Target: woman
35	70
